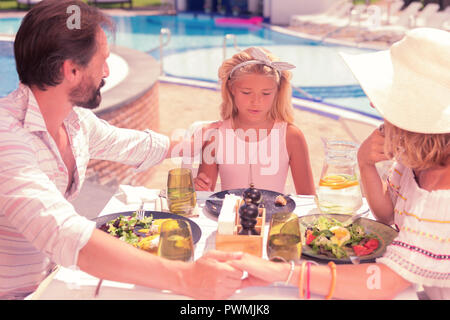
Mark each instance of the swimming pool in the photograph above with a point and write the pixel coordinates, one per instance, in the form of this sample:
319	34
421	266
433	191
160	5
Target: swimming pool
195	52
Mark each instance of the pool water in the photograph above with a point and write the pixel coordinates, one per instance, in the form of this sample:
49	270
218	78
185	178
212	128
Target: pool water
8	74
195	52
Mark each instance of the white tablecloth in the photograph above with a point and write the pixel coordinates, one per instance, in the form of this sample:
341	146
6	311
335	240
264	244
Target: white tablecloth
75	284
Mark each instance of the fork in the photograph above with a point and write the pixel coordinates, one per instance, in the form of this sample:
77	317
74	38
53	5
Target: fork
140	213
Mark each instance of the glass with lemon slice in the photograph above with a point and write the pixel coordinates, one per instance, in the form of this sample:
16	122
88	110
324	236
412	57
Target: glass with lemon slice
284	239
175	241
339	189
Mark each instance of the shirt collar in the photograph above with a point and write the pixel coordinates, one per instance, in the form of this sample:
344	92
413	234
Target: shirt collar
33	120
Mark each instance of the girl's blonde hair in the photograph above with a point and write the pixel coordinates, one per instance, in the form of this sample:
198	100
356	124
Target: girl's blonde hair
282	109
418	151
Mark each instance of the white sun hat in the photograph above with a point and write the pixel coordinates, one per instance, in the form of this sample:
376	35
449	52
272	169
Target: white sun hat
409	84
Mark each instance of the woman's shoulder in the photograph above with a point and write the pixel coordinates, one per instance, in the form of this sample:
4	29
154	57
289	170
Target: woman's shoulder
439	179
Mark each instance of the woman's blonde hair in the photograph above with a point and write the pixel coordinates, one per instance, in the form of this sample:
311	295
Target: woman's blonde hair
418	151
282	109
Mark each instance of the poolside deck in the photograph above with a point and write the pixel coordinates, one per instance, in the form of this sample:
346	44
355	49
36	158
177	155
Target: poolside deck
205	106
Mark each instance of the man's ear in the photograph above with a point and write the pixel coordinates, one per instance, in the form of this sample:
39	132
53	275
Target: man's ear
71	71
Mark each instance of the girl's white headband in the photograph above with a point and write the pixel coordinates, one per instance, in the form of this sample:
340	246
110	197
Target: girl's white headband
260	57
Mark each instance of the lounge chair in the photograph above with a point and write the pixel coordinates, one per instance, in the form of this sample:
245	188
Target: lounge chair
435	20
352	20
122	2
399	25
426	14
301	19
321	24
394	10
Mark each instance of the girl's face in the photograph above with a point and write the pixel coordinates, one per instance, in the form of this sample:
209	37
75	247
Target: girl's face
254	95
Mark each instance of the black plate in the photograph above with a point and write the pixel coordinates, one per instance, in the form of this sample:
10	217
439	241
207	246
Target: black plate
385	233
268	199
196	231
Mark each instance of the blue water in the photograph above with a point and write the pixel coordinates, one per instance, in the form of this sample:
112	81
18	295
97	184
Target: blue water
8	75
195	52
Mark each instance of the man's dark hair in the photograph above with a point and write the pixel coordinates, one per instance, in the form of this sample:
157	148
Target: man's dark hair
45	40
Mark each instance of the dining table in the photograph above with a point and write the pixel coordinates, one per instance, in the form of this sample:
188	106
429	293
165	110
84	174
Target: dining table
73	284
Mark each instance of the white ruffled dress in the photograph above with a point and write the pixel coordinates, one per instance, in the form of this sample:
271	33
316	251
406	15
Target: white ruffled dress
421	251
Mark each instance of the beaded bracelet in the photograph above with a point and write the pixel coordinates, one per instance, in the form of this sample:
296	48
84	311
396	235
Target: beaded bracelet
308	276
291	272
332	266
300	281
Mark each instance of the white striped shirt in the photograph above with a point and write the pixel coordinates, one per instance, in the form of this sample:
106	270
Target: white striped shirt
38	225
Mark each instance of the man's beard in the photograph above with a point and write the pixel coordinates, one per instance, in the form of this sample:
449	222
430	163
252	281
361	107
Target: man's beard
86	95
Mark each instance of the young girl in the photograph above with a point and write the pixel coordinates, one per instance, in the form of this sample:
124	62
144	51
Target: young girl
410	86
256	142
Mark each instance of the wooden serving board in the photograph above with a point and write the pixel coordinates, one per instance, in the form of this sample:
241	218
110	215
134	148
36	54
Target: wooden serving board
252	244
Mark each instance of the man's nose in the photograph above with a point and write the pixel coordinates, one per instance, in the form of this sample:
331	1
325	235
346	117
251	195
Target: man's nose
105	70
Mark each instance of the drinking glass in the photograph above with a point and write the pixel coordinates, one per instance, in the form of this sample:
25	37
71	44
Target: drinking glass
284	240
181	196
339	189
175	241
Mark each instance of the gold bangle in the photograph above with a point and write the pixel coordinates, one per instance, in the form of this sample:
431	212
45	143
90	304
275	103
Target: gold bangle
332	266
300	281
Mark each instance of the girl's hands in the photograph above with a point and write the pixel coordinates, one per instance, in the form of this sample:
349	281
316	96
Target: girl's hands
202	182
371	150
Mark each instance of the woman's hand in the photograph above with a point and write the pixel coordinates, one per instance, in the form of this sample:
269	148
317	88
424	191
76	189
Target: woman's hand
261	271
371	150
212	276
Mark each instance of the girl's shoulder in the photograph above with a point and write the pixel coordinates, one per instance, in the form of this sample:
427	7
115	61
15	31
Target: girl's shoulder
292	132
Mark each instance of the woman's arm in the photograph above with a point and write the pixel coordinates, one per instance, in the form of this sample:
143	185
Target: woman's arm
370	152
299	161
364	281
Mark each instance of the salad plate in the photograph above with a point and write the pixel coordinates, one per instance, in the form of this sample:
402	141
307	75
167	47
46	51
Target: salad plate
214	204
196	231
338	241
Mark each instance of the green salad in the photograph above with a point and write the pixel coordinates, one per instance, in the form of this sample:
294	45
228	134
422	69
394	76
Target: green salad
329	237
123	227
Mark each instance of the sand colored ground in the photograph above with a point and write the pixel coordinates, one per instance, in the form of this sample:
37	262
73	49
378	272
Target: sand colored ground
182	105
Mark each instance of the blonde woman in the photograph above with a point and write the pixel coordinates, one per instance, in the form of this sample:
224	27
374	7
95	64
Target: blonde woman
257	141
410	86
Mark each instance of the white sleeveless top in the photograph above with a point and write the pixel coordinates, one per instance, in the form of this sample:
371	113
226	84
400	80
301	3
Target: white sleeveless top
421	251
268	157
